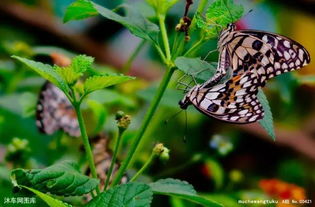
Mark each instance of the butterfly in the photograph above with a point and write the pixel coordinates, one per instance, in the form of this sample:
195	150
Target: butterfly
254	57
54	112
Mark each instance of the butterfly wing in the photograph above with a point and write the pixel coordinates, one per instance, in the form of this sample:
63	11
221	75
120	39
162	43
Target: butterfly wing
234	101
265	53
55	112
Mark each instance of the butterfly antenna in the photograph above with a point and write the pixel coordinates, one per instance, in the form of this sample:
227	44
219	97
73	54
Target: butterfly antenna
172	117
186	128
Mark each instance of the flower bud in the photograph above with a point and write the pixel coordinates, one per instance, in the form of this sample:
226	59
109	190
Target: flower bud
162	152
123	120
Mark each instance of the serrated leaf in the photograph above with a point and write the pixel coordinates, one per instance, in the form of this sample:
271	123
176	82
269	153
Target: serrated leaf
126	195
99	82
220	12
79	9
68	74
52	202
170	185
200	69
63	178
180	189
134	21
81	63
267	121
46	71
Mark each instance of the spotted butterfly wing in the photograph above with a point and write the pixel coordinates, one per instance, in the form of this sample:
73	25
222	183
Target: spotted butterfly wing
233	101
264	53
54	112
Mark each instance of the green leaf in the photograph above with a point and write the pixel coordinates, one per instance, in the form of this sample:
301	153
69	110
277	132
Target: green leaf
79	9
52	202
199	69
220	12
63	178
267	121
127	195
133	21
180	189
68	74
99	82
81	63
46	71
170	185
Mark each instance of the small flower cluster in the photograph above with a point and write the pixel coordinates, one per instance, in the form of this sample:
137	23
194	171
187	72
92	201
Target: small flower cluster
282	190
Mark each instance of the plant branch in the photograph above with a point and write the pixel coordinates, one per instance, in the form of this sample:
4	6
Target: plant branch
145	166
194	47
132	57
86	143
164	37
147	119
113	161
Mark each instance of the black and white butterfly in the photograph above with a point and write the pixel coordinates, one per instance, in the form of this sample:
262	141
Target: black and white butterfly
254	57
54	112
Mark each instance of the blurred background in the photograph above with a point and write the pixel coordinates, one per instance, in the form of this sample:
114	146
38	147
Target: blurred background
224	162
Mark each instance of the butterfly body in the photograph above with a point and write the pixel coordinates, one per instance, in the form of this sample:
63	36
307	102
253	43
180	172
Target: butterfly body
253	58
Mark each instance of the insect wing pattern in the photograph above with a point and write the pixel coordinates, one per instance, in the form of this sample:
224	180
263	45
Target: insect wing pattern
233	101
55	112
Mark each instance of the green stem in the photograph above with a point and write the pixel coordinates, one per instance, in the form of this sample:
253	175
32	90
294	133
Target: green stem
133	55
86	143
194	47
144	167
164	37
113	161
145	123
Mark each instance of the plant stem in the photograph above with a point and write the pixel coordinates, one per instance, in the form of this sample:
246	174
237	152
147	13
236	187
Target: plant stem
133	55
145	166
194	47
86	143
113	161
147	119
164	37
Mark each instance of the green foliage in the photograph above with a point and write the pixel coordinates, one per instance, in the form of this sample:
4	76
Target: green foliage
52	202
199	69
79	9
162	6
180	189
99	113
99	82
134	21
81	63
173	186
126	195
219	14
267	121
63	178
46	71
28	103
68	74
